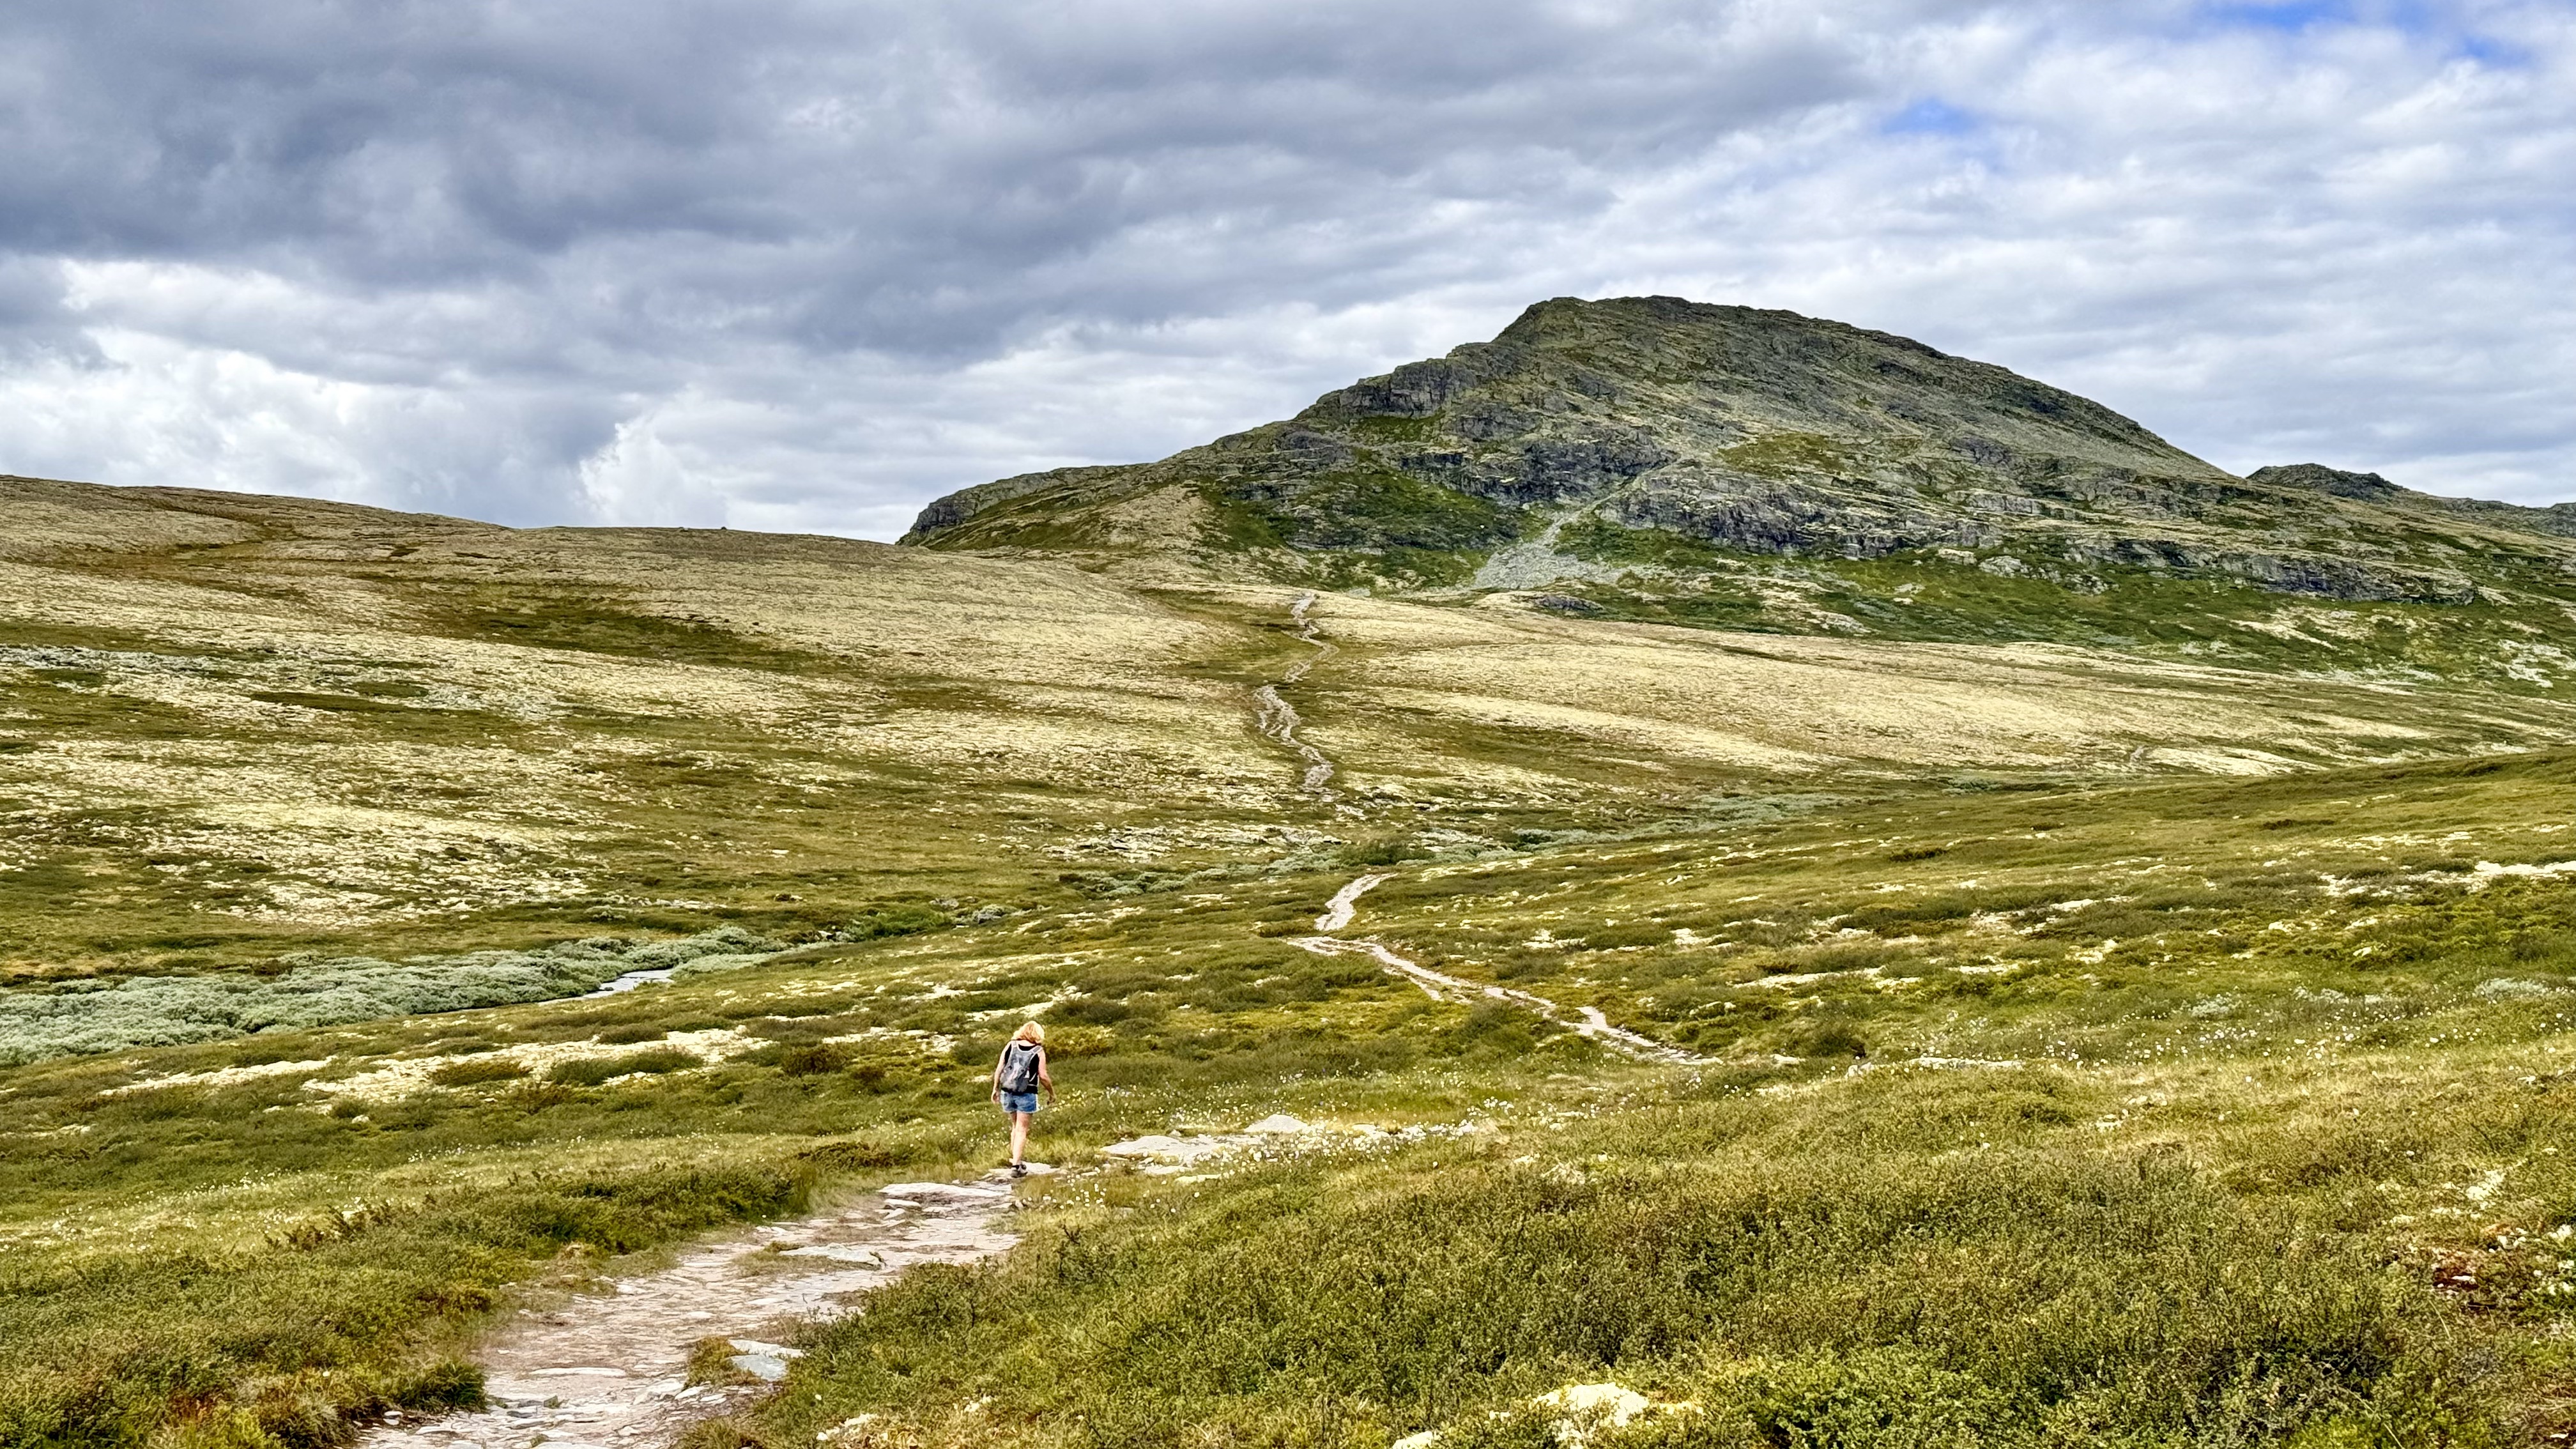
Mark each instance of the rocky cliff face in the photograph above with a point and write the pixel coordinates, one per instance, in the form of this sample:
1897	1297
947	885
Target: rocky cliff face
1757	434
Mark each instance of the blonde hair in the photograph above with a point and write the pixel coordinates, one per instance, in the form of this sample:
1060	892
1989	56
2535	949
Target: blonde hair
1030	1031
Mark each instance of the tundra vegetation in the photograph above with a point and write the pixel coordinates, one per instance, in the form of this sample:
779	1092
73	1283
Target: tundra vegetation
2108	956
2157	1112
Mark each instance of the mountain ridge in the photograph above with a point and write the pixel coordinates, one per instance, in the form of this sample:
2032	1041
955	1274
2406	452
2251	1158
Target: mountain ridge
1761	432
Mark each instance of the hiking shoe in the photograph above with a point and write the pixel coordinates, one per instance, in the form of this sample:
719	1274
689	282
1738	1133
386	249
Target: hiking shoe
1019	1169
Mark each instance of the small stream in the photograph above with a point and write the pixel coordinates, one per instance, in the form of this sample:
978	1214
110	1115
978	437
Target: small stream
628	982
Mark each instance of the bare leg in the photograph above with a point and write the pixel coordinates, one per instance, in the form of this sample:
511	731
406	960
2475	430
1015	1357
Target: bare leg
1019	1136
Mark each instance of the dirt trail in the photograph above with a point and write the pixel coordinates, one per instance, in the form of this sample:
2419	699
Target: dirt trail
1346	902
1278	718
1584	1021
609	1370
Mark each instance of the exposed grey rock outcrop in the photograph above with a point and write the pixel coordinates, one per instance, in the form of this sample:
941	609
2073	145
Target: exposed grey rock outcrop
2324	480
955	508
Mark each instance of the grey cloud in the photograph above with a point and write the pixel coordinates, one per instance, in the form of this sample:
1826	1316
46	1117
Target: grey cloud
801	264
34	322
409	140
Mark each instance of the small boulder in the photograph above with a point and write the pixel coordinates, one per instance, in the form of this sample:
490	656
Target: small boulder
1581	1408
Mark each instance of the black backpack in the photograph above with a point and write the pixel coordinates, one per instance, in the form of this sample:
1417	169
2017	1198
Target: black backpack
1020	1066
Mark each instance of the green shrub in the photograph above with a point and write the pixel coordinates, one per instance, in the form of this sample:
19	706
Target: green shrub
2015	1299
1832	1037
1381	850
812	1059
470	1072
172	1010
1635	933
583	1071
658	1060
591	1071
1080	1041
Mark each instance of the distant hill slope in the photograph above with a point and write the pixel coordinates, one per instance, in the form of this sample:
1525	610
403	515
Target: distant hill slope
1656	458
233	728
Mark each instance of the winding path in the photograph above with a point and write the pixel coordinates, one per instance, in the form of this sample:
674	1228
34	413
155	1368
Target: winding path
1278	718
1346	903
1584	1021
610	1370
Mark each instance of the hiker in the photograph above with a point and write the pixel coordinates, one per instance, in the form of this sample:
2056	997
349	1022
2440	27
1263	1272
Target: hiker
1016	1080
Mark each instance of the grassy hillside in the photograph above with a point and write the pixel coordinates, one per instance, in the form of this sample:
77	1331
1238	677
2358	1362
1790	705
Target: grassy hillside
2142	1022
318	734
2512	636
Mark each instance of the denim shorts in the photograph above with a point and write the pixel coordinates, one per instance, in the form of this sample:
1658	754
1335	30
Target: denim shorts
1019	1101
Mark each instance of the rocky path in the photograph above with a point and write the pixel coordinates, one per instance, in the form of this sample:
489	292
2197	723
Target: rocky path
1346	903
1278	718
1584	1021
608	1370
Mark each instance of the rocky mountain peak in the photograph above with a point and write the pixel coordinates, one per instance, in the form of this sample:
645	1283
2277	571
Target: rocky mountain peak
2322	479
1586	431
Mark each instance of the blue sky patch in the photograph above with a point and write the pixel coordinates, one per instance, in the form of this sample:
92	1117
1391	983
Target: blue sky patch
2290	15
1930	117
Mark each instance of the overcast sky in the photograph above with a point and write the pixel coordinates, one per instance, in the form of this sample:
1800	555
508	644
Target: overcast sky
795	264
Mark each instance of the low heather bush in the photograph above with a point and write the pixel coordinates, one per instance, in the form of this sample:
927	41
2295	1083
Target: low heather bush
37	1023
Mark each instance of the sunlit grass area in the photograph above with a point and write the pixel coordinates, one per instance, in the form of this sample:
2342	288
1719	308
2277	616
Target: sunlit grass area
1906	1257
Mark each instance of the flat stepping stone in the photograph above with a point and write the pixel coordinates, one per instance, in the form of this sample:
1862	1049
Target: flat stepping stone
940	1189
